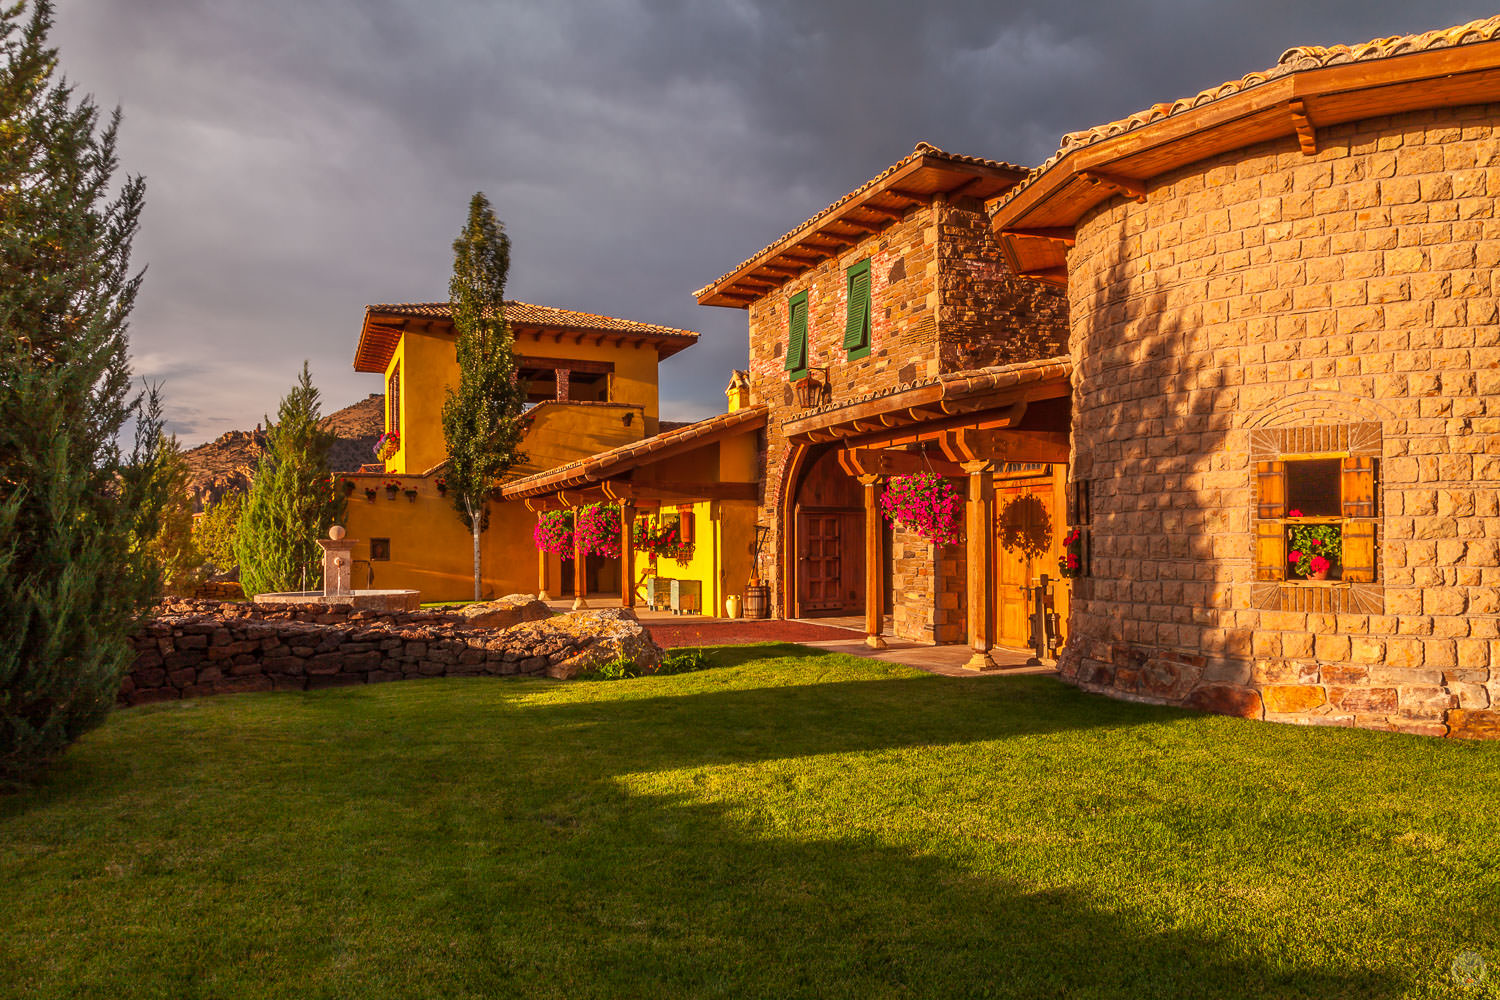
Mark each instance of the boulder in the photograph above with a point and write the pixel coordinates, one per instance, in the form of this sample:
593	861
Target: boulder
587	639
507	611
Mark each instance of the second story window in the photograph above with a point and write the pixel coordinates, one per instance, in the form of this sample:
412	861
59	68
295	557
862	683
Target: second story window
796	343
857	320
393	402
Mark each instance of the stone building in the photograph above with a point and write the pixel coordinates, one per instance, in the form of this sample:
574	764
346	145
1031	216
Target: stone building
1283	315
888	335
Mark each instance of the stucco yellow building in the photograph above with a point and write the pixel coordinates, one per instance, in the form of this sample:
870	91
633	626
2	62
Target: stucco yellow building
592	386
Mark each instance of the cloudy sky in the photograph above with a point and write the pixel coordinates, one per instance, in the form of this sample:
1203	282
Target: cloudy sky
306	157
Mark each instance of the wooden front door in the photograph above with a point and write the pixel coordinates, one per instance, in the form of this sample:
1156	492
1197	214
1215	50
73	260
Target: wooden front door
821	563
1029	522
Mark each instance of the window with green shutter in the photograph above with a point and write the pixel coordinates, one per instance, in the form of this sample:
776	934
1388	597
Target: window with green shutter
796	347
857	320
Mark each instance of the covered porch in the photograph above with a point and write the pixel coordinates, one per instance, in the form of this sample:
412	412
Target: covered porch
700	479
997	433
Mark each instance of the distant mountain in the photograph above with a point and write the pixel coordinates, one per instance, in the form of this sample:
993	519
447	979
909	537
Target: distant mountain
228	463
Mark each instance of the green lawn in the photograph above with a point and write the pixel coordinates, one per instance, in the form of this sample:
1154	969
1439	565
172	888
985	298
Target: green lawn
791	823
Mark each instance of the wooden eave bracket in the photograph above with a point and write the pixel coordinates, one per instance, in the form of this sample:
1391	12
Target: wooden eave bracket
1053	234
1307	136
1127	186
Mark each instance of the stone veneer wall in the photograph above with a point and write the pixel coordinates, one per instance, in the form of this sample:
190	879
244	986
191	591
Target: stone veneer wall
1267	290
927	584
941	300
198	648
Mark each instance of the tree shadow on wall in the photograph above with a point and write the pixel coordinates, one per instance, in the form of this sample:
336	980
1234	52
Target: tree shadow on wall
1025	526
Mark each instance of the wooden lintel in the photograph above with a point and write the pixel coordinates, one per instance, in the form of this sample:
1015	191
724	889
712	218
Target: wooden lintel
1053	275
1307	136
1127	186
539	505
687	491
887	462
1053	234
966	444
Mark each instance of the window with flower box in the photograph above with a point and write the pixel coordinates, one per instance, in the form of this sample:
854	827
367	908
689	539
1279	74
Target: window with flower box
1317	519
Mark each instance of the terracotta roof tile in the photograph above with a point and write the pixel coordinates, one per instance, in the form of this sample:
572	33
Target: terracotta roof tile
1293	60
921	149
528	314
625	457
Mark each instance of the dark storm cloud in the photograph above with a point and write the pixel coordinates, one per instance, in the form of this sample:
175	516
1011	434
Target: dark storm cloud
306	157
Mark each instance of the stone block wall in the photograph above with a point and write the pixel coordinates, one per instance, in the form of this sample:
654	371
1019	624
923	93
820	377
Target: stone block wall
1269	291
198	648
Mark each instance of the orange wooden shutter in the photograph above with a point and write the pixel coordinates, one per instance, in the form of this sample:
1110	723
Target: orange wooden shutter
1270	550
1358	487
1270	489
1359	552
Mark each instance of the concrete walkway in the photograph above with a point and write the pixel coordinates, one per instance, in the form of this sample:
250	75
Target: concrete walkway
832	635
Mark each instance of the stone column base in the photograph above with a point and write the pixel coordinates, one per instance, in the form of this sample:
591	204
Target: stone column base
875	642
579	604
981	661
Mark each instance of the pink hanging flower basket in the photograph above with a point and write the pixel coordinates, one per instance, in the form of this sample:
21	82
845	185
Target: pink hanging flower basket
598	528
554	533
925	503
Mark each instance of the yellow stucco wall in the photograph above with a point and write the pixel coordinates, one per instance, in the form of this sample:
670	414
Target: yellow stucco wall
721	553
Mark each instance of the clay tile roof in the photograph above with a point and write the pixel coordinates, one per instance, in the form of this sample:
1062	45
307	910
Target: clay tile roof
377	344
950	387
922	149
626	457
1293	60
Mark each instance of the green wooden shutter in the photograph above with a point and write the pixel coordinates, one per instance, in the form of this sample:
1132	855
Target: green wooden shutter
796	348
857	319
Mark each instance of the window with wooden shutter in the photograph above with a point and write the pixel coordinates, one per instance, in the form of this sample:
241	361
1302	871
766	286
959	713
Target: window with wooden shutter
1270	550
1270	489
796	349
1358	486
1359	552
857	318
393	402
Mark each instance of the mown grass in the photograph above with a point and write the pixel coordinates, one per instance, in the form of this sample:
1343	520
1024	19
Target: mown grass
789	823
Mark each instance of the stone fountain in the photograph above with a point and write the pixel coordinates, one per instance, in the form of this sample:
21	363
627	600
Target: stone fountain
338	562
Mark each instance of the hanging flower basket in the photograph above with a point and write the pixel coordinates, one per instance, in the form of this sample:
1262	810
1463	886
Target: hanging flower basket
554	533
392	487
388	444
348	485
598	530
661	539
442	486
370	492
925	503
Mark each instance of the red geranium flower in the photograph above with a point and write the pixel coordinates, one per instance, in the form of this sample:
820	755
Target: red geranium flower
1294	512
1293	556
1319	564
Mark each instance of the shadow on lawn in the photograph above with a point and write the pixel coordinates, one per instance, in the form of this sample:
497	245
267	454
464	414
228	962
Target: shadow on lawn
550	850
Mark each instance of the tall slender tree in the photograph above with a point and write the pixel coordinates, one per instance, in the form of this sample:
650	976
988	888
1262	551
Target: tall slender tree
292	502
72	578
481	417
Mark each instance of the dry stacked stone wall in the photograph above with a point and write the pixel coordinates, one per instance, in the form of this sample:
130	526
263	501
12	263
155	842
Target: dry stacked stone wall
1267	297
942	299
197	648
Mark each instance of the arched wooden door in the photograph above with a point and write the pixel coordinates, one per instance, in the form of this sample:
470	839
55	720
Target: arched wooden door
830	561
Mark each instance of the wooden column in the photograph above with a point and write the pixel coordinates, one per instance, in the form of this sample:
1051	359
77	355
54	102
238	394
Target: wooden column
980	529
874	564
541	575
627	554
580	577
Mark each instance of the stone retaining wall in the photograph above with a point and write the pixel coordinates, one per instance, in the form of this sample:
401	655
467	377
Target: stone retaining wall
208	649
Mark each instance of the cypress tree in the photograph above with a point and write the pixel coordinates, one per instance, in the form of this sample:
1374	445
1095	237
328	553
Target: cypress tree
292	502
73	578
481	417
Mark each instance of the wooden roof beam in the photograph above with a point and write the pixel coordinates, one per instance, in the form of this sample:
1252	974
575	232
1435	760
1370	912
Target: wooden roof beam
1127	186
1053	234
915	197
894	214
1054	275
856	224
1307	136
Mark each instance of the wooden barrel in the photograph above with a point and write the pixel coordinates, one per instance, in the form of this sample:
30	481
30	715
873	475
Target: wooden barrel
758	601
